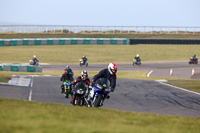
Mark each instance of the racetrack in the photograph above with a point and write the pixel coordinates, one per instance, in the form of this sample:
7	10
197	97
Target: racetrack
130	94
159	69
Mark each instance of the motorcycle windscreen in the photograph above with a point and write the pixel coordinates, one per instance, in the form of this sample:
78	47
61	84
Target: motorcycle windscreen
103	83
81	85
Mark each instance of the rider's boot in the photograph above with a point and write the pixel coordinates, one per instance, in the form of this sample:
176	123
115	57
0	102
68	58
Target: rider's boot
62	89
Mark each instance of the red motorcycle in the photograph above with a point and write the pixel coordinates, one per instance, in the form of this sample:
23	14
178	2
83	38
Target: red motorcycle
193	61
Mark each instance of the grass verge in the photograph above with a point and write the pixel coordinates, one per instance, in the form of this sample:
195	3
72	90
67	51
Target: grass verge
193	85
27	117
71	54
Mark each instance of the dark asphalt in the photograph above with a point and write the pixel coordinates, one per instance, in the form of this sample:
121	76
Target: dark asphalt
160	69
14	92
130	95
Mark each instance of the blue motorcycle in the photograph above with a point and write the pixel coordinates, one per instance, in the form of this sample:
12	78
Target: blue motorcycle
99	92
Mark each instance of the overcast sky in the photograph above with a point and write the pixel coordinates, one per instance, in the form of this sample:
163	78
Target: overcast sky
101	12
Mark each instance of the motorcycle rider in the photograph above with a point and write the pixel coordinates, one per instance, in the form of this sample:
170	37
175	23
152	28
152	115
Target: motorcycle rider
70	70
84	59
194	58
110	74
67	75
35	60
137	57
83	78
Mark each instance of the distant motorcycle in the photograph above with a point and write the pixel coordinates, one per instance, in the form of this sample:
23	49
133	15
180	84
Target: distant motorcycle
79	94
99	92
82	63
66	88
193	61
34	63
137	62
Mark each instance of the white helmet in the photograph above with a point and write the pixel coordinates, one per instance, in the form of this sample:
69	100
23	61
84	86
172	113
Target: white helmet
34	56
84	72
137	55
112	67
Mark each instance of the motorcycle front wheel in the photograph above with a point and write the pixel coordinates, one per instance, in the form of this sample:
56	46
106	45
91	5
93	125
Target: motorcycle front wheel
67	94
98	100
78	101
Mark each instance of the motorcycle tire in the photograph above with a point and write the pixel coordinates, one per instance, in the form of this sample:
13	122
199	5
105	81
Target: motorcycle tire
98	101
67	94
77	101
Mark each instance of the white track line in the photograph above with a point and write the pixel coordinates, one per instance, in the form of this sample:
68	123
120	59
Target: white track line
179	88
149	73
30	94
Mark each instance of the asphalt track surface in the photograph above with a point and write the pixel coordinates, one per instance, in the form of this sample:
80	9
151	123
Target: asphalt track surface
130	94
159	69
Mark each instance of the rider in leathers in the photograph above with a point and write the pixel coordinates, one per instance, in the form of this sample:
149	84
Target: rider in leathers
67	75
137	58
83	78
35	60
84	59
109	73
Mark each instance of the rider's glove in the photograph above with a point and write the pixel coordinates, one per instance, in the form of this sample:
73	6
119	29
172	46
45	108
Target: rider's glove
90	87
93	83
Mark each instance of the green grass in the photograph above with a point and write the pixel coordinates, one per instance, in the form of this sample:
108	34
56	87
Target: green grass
183	36
17	116
193	85
97	53
23	116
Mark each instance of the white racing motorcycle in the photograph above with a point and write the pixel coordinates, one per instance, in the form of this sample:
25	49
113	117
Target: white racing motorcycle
82	63
32	63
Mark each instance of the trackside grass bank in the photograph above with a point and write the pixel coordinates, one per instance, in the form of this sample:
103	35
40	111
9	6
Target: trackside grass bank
71	54
193	85
28	117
